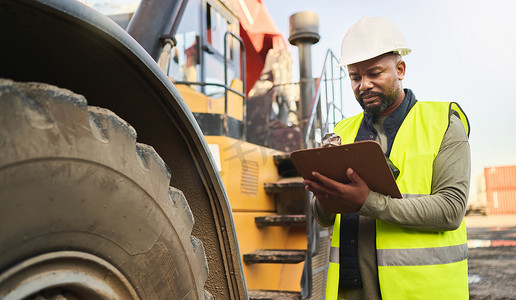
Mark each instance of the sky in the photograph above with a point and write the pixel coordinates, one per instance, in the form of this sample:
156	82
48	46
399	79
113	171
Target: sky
462	50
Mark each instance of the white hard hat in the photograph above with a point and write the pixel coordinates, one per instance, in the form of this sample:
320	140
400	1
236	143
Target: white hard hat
371	37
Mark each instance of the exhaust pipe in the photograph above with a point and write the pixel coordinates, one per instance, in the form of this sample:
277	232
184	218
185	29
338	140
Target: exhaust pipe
303	33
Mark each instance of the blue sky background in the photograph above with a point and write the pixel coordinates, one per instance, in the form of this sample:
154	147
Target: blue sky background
462	51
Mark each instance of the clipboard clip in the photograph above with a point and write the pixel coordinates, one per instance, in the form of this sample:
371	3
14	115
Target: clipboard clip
395	171
330	140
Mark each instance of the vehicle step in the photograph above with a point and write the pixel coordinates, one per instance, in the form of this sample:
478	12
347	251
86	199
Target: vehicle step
290	195
275	256
285	165
280	220
286	183
273	295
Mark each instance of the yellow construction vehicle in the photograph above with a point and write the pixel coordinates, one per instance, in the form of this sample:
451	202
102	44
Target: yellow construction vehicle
89	210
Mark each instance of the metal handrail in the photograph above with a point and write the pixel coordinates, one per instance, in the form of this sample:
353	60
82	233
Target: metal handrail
210	84
242	74
226	86
315	118
330	105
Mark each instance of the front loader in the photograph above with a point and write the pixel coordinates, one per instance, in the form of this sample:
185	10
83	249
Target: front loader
89	210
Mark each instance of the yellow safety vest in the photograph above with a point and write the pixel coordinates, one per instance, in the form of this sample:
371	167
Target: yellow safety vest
412	264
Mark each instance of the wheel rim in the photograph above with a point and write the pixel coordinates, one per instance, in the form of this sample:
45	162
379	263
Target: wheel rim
80	275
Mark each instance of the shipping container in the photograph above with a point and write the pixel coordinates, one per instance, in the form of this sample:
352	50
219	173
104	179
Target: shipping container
500	189
501	202
501	177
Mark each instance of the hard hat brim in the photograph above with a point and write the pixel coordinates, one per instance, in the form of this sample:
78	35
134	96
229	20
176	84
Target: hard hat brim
343	62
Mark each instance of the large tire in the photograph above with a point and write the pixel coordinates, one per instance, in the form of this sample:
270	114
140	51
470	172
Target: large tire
85	211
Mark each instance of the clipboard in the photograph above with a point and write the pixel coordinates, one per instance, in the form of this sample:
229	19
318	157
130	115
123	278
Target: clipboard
366	158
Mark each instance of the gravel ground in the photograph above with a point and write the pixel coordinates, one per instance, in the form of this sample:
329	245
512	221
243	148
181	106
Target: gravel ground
492	262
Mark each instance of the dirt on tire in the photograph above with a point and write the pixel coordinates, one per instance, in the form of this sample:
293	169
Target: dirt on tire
74	179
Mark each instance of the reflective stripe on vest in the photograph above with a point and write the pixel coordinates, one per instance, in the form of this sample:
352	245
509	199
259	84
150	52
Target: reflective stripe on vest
413	257
414	264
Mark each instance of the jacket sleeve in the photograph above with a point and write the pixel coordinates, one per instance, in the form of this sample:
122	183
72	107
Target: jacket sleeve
322	217
444	209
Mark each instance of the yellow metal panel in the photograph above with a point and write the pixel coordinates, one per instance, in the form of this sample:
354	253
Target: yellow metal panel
245	168
251	238
197	102
200	103
235	102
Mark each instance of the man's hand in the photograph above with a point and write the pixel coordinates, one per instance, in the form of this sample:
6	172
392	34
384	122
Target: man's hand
338	197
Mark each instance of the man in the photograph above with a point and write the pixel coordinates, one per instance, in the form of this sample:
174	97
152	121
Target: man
382	247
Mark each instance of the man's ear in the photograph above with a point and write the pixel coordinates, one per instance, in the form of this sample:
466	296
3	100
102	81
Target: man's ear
400	69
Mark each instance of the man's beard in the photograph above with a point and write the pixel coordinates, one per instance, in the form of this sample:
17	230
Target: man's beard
386	101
